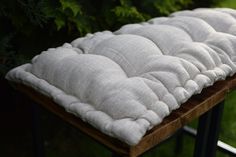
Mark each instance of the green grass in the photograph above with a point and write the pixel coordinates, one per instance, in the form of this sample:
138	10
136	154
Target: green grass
228	131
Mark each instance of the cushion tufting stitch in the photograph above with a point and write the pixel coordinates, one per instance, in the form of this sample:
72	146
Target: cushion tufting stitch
125	82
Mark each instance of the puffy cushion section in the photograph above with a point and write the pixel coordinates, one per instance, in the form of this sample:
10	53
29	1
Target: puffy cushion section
126	82
212	17
87	112
131	56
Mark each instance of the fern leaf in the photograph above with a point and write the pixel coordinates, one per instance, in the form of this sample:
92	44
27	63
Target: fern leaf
73	5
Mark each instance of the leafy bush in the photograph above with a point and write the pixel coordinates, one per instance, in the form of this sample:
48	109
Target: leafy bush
30	26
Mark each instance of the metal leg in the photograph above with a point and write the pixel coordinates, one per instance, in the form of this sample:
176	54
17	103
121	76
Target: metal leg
202	135
208	132
214	129
36	130
222	146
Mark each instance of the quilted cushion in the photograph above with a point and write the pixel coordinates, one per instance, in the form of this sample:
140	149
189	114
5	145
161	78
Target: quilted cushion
125	82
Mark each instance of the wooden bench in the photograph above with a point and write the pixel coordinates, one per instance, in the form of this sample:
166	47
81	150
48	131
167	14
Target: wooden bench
206	106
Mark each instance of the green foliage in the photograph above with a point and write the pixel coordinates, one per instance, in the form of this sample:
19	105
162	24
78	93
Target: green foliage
31	26
71	5
168	6
81	15
67	14
127	13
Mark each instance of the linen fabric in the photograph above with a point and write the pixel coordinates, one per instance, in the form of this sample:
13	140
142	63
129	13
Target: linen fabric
125	82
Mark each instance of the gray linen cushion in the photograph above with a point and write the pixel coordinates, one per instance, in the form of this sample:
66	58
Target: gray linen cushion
125	82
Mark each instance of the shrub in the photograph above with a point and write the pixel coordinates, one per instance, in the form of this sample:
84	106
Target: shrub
30	26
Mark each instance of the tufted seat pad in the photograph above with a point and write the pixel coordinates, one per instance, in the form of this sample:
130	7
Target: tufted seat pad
125	82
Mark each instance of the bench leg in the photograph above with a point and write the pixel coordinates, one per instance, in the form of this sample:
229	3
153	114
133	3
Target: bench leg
208	132
36	131
202	135
214	129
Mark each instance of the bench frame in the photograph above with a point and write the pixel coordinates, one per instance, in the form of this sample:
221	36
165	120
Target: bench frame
207	106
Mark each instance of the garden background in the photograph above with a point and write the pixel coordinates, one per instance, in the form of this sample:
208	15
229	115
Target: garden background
28	27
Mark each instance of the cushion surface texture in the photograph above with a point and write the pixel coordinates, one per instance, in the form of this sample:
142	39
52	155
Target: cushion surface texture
125	82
